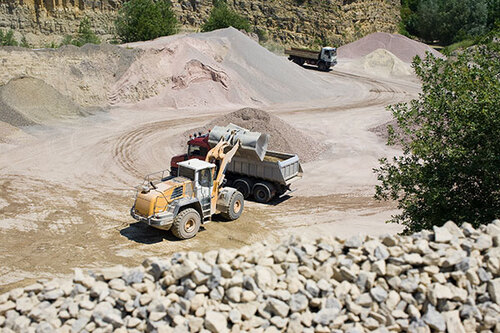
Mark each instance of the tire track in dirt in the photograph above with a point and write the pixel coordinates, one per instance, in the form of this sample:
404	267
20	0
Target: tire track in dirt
127	145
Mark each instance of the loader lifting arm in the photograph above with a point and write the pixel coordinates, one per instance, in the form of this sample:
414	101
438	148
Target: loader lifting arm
217	154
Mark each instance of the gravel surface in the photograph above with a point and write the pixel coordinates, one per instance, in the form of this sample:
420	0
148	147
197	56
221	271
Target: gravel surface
445	280
283	136
402	47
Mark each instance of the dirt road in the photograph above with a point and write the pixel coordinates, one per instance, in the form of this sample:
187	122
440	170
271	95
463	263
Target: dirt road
65	195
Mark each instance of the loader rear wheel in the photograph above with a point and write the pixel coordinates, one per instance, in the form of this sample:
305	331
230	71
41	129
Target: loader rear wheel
186	224
244	186
236	204
263	192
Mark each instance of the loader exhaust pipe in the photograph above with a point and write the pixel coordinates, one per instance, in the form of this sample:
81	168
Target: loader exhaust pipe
253	144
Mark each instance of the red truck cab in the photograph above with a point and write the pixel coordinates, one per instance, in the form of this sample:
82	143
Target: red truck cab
198	148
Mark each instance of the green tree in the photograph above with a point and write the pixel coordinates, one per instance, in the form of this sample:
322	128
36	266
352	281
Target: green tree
84	36
7	39
222	16
140	20
450	166
447	21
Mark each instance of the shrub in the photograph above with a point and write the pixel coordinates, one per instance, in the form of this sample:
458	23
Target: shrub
450	166
145	20
85	35
7	39
223	17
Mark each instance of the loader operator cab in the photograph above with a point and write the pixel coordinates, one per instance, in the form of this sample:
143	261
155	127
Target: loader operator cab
202	175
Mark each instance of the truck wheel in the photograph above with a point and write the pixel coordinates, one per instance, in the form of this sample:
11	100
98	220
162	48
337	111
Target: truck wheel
243	185
263	192
186	224
322	66
236	204
299	61
173	172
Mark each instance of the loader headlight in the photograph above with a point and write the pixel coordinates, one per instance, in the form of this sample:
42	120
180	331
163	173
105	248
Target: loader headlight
145	188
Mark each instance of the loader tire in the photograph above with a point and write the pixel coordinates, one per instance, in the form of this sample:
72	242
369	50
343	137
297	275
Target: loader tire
244	186
186	224
236	205
263	192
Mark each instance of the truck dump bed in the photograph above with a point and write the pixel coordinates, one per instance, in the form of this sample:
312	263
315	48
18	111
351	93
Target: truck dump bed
276	167
303	53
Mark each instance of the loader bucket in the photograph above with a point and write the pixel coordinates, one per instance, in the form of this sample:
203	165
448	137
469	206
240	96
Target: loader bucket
253	144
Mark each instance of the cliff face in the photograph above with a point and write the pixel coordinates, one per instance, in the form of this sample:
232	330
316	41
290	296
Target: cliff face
285	21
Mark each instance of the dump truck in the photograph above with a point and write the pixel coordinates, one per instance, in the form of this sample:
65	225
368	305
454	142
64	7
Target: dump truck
257	173
324	58
183	202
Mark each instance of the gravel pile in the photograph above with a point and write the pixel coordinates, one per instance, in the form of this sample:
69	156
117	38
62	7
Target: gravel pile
402	47
30	101
446	280
283	137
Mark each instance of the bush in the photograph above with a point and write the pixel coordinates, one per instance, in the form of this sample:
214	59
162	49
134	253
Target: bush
7	39
140	20
447	21
223	17
450	166
85	35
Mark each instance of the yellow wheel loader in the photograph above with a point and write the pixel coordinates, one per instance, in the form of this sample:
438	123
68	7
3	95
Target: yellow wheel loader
182	203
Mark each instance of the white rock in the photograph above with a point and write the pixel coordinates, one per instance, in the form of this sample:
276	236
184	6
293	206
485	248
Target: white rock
493	290
265	278
453	322
215	322
442	235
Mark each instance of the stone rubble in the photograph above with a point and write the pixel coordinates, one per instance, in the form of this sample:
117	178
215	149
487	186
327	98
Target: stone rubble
447	279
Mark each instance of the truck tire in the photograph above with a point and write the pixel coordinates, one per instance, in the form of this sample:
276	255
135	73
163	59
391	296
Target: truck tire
322	66
173	172
263	192
236	205
244	185
186	224
299	61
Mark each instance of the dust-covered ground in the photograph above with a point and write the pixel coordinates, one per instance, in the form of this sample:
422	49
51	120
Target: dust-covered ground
65	195
66	188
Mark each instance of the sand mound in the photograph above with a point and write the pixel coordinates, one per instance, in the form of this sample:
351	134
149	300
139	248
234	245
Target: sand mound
29	101
283	137
222	68
11	134
380	63
402	47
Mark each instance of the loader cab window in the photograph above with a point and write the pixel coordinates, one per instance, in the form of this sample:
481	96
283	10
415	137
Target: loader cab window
185	172
205	178
197	151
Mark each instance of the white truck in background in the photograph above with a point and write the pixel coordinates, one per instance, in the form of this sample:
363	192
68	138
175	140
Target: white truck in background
324	58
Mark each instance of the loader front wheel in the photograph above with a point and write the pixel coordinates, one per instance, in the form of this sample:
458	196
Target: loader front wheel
236	204
186	224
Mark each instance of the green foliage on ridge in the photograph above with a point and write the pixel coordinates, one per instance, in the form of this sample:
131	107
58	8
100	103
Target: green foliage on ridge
140	20
448	21
222	16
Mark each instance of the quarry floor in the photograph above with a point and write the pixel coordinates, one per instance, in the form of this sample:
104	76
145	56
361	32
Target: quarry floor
65	194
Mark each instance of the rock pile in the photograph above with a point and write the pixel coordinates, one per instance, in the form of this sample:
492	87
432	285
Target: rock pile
283	137
446	280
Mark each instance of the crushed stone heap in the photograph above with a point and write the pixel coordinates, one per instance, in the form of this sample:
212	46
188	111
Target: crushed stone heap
445	280
283	137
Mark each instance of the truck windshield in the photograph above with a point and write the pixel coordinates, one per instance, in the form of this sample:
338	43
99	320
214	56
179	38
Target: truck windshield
185	172
197	151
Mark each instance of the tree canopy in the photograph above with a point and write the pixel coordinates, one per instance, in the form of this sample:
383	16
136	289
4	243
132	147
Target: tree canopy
222	16
450	165
145	20
448	21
